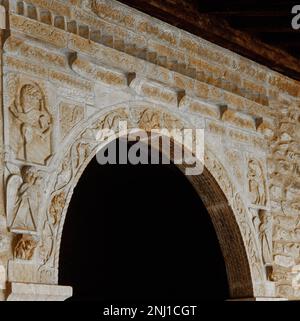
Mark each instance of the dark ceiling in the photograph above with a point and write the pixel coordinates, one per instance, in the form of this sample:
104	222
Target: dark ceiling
260	30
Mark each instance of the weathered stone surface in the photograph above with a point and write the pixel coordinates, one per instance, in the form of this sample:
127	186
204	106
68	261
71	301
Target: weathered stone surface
103	74
205	109
66	79
39	31
69	116
285	85
18	46
55	6
239	119
111	11
99	63
25	66
284	261
2	18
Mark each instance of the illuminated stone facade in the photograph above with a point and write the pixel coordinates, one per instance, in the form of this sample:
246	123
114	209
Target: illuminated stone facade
70	68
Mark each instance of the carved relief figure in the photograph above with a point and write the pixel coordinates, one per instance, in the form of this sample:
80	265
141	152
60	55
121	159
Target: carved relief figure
83	151
57	205
234	159
65	175
34	124
265	234
22	201
246	230
222	178
257	185
46	245
70	116
25	248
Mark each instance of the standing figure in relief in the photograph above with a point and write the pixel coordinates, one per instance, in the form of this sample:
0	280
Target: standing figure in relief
34	123
257	185
265	235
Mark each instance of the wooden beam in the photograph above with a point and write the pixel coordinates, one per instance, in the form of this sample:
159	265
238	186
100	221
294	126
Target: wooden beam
251	5
243	13
288	43
267	29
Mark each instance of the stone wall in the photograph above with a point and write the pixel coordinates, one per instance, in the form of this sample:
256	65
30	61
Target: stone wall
82	65
4	242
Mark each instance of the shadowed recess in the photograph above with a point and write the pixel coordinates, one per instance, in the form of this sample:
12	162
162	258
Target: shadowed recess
135	233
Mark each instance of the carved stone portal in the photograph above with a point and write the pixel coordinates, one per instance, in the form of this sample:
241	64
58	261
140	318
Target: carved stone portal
156	76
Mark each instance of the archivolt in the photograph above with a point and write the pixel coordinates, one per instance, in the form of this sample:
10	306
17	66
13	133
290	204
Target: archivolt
221	198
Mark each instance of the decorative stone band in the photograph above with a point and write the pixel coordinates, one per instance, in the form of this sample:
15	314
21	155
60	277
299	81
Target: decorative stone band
44	24
102	73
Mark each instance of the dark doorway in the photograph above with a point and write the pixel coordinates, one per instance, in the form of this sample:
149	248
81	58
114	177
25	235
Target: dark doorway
136	233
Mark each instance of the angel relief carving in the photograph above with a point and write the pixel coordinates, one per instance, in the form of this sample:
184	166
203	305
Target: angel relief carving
31	125
257	183
23	201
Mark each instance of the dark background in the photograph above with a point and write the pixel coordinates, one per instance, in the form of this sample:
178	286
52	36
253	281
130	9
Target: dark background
257	29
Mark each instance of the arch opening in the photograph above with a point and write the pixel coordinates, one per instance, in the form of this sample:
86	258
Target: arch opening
140	232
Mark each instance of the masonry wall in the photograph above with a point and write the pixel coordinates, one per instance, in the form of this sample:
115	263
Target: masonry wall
89	55
3	231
